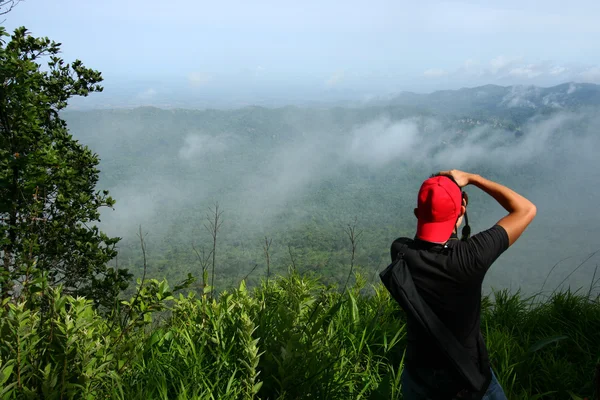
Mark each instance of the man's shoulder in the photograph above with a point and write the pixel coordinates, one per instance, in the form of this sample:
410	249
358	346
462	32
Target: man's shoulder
399	245
475	255
495	238
403	241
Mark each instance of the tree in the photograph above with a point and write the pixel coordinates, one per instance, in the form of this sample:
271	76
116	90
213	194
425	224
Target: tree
48	201
6	6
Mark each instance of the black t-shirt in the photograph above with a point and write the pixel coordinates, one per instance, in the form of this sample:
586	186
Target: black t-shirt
449	278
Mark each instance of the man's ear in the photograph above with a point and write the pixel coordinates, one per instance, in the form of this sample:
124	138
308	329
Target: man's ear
416	214
462	211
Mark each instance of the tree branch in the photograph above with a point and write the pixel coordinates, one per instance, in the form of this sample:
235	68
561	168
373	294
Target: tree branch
8	3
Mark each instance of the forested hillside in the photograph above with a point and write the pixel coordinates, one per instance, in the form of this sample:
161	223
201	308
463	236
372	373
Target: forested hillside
300	176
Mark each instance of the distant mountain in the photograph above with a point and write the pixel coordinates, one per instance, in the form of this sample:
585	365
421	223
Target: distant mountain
502	101
490	100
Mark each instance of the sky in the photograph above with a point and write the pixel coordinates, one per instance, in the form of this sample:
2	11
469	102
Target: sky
240	52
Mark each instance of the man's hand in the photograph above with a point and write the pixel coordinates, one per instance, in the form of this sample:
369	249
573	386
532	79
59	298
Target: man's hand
520	210
461	178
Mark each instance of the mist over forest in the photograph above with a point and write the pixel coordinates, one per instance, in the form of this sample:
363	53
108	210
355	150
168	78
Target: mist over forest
197	198
299	176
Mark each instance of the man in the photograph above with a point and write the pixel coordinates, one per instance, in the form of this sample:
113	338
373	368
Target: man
448	274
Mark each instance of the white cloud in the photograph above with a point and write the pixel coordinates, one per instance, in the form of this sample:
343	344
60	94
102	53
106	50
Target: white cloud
557	70
197	145
529	71
382	140
259	70
472	68
147	94
434	73
590	75
335	79
500	63
521	96
424	140
515	71
287	172
199	78
470	63
572	88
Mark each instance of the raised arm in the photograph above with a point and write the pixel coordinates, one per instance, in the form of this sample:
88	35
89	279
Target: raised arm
520	210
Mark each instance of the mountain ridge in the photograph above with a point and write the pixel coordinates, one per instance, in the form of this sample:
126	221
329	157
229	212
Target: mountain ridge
530	96
490	97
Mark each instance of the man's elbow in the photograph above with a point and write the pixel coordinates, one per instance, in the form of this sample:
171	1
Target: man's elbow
531	212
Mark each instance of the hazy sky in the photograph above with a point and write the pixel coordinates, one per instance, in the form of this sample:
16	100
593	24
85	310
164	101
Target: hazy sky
151	49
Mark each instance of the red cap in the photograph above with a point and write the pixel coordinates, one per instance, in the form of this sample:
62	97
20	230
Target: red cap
438	208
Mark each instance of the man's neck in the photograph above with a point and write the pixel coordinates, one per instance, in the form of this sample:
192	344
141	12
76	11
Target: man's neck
453	236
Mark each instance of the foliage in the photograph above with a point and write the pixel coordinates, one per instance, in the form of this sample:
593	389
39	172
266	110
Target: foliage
55	345
48	200
290	338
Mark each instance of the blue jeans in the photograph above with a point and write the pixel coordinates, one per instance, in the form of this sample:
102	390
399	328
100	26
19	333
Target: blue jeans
412	390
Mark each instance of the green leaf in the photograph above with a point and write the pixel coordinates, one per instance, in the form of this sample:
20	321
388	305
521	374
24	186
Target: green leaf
544	342
574	396
354	309
257	387
6	371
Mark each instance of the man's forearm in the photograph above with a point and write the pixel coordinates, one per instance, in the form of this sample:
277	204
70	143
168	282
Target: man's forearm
508	198
520	210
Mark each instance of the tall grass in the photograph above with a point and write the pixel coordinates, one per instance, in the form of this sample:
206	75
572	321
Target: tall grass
289	338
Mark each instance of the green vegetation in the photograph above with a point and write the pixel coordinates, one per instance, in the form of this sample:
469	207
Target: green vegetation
290	338
48	200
